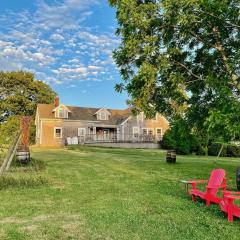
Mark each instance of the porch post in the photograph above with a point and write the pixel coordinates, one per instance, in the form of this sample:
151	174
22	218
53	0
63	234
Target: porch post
118	133
94	133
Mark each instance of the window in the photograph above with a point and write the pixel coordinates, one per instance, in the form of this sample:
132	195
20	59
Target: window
135	131
81	131
102	116
150	131
158	134
58	132
61	113
145	132
159	131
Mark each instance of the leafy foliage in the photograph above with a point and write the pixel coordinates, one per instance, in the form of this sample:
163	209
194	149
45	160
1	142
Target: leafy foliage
180	138
20	93
229	150
182	53
215	148
8	131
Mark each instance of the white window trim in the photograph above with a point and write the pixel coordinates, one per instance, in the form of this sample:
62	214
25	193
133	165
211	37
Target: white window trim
55	132
84	132
152	130
158	129
134	128
102	116
144	129
148	129
57	115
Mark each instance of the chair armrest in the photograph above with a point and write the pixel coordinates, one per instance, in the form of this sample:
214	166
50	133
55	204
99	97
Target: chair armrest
197	181
226	192
231	197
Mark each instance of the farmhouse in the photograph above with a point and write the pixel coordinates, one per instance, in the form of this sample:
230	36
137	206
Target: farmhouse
58	124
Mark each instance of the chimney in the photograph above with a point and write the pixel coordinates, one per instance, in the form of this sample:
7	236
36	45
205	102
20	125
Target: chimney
57	101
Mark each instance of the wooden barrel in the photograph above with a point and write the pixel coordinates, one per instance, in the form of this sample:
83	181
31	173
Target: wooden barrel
23	156
171	156
238	178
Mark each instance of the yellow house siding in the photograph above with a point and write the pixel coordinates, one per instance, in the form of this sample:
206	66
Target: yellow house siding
47	137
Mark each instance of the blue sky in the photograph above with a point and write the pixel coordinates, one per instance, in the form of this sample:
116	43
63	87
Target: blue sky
66	43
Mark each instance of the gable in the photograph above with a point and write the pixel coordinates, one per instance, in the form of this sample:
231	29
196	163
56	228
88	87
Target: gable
61	107
103	110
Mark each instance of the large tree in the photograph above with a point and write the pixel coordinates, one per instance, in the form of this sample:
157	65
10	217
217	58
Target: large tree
182	53
20	93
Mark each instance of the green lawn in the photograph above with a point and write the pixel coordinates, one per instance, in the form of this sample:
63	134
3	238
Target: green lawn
96	193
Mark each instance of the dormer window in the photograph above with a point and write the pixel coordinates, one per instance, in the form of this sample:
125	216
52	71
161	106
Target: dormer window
102	114
61	111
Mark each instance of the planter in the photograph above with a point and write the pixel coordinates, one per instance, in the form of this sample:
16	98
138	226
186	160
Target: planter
171	156
23	157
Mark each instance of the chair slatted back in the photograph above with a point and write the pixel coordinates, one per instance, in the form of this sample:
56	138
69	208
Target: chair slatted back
216	179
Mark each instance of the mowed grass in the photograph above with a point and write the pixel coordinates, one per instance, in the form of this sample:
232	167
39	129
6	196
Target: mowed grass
97	193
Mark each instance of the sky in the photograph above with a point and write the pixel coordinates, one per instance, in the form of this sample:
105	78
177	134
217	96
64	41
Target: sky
65	43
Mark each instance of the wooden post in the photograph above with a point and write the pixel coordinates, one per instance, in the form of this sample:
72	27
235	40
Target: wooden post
10	154
219	153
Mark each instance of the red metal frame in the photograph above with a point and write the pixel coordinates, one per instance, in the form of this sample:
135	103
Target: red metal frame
216	181
228	206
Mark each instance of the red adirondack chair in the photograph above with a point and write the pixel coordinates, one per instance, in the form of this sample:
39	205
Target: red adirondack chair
228	206
217	180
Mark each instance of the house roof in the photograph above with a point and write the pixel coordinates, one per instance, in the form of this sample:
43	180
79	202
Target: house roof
84	113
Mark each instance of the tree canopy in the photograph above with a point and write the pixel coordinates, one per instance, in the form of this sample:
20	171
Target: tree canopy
182	53
20	93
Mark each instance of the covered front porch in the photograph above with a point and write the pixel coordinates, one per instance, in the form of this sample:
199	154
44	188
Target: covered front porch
101	134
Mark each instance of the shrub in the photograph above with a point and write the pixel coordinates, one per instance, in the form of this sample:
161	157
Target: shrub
180	138
168	141
201	150
233	150
229	150
214	149
183	147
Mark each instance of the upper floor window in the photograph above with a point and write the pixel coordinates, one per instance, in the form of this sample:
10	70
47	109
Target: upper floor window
102	116
61	113
135	131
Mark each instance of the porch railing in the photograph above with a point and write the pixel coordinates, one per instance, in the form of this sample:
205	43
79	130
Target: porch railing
112	137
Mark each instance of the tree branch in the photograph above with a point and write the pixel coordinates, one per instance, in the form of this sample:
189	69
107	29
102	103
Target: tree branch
219	18
198	78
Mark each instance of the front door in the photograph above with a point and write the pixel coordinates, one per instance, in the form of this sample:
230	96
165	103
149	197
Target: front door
105	134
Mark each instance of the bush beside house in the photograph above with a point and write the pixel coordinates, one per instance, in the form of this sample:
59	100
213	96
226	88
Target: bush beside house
180	138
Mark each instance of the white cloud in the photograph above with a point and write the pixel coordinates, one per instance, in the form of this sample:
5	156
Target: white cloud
38	56
56	37
94	67
74	60
53	43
